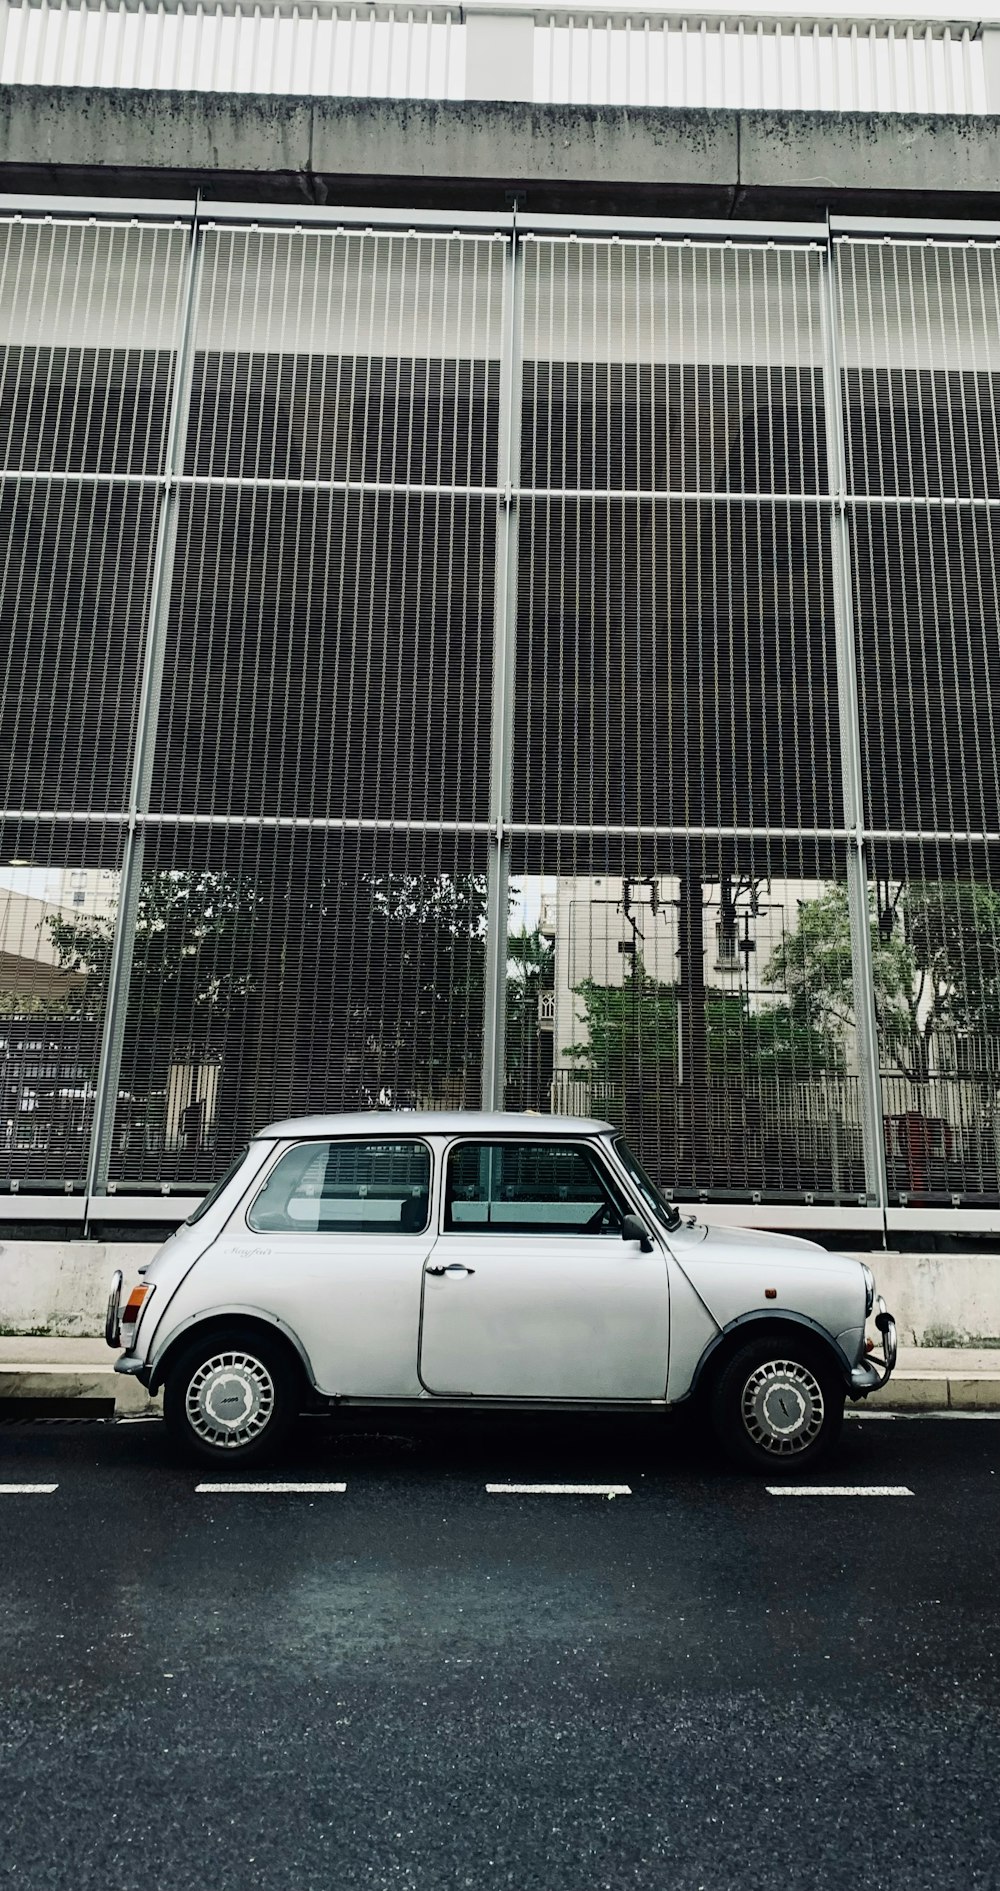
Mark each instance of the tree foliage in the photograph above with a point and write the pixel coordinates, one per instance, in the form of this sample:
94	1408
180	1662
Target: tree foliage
386	971
635	1026
937	968
192	956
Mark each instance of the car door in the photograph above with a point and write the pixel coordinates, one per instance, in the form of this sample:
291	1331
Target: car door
334	1244
531	1291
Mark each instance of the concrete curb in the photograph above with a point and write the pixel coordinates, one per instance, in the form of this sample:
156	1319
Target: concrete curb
44	1382
955	1384
938	1392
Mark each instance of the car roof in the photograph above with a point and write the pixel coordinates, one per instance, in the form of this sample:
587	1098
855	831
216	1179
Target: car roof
434	1122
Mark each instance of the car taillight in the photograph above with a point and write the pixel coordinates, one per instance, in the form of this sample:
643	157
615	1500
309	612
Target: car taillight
130	1315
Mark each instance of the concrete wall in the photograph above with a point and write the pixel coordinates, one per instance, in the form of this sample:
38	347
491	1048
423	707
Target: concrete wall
599	158
61	1289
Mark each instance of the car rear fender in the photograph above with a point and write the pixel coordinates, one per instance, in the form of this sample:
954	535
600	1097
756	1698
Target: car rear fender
202	1324
748	1326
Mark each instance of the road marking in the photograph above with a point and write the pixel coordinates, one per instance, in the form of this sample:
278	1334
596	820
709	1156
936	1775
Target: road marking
309	1490
559	1490
838	1490
27	1490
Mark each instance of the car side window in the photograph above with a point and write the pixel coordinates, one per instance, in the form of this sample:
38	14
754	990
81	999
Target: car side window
531	1188
346	1188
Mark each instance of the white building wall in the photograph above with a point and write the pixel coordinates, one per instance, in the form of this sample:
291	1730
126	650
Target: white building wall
590	925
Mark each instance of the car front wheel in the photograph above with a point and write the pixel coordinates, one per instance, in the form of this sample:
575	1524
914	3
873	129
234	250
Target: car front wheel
777	1405
232	1397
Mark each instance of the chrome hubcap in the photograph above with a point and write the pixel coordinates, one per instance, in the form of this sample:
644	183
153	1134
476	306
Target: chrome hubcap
782	1407
230	1400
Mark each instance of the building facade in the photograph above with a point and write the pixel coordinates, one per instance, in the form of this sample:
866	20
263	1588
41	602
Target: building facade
483	660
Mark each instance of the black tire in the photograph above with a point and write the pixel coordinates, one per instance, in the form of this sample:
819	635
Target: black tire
777	1405
212	1373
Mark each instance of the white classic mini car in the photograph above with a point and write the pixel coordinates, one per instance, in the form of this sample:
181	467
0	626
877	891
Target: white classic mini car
396	1258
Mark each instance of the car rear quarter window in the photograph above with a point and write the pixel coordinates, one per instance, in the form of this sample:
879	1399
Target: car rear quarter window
346	1188
217	1187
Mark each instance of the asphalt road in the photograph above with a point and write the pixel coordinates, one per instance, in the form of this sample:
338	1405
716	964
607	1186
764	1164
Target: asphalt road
416	1682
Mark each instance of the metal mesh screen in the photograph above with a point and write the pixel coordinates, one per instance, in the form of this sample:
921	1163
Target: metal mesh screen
341	356
672	367
329	655
921	327
359	462
58	898
311	923
670	990
88	325
74	599
280	972
676	739
675	665
88	319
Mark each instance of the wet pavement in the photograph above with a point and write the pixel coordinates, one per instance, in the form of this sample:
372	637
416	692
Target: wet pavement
416	1681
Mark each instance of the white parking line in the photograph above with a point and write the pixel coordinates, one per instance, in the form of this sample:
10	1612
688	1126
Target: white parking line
838	1490
309	1490
27	1490
559	1490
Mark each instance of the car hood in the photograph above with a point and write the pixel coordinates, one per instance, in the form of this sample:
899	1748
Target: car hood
738	1243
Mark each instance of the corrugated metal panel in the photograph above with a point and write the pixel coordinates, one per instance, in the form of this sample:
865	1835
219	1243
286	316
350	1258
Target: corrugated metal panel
595	57
363	51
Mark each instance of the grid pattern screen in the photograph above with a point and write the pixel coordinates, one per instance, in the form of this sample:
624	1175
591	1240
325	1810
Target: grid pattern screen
395	621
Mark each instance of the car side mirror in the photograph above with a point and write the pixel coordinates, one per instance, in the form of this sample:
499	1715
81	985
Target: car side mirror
635	1230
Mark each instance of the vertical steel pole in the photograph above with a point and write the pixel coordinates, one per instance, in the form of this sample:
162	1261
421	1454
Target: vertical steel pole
501	734
123	946
849	715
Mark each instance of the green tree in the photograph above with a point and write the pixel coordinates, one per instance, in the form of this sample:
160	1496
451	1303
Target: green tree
635	1025
321	991
937	968
628	1025
408	980
17	1004
192	954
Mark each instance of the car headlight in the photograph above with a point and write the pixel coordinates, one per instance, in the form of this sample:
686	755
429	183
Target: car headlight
869	1289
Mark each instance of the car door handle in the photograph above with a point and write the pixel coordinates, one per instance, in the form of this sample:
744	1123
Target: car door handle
453	1267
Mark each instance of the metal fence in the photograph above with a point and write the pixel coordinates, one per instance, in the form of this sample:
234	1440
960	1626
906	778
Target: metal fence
494	663
614	56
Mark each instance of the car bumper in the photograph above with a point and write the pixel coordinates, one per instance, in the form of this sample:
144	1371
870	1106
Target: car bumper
134	1368
871	1372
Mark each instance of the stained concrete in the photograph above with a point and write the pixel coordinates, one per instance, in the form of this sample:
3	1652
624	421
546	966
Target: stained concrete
421	153
60	1288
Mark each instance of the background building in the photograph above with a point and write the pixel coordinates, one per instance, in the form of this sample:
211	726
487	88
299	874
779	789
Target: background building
467	650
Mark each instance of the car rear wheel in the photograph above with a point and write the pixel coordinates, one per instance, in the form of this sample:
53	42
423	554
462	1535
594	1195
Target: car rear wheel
777	1405
232	1397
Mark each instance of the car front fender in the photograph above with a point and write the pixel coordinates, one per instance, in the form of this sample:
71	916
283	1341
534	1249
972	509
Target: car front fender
747	1325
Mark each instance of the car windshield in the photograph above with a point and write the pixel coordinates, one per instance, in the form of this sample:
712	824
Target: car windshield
662	1209
217	1187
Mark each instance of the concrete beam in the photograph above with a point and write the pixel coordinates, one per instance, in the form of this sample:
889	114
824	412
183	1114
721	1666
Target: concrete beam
576	159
